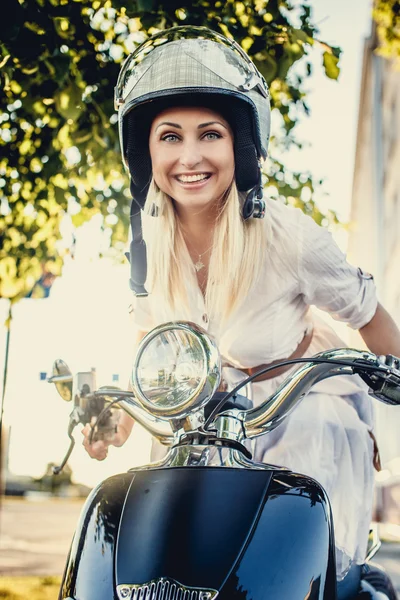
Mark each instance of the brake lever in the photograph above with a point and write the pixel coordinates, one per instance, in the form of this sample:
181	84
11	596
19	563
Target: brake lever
385	381
74	420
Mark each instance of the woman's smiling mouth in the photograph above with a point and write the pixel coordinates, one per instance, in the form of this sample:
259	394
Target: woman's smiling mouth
193	181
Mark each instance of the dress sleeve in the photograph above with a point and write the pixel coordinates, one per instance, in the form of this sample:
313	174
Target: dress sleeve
329	282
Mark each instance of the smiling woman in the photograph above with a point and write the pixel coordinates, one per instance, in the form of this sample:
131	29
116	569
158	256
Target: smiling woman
192	152
191	149
194	119
193	167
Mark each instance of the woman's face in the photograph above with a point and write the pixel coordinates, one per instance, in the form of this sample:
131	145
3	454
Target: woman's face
192	156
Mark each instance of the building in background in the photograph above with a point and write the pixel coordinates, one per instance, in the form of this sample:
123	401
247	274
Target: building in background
374	240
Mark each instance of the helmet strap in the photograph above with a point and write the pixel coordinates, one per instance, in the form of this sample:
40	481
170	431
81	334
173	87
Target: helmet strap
137	253
254	205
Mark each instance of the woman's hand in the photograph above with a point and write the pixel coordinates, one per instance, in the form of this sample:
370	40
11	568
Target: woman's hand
98	449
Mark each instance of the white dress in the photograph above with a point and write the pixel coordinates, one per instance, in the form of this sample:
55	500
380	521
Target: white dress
327	436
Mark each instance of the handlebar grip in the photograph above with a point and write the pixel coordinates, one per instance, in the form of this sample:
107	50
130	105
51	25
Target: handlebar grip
390	391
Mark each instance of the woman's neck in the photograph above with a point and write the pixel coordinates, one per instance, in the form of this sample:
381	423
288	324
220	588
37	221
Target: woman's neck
197	226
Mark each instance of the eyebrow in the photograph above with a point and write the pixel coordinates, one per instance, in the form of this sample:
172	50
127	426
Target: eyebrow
201	126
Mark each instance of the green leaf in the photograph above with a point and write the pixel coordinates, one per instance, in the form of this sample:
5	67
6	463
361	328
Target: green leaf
330	62
62	67
69	102
302	36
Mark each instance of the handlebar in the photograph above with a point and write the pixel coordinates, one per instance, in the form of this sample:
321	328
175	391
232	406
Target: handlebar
161	430
379	372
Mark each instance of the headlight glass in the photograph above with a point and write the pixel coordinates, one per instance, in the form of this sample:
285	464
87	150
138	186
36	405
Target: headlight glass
171	368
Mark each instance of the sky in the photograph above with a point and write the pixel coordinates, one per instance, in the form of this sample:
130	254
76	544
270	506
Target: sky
85	320
332	126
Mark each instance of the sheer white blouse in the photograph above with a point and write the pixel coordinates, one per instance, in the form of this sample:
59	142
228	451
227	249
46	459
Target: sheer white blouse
327	436
303	267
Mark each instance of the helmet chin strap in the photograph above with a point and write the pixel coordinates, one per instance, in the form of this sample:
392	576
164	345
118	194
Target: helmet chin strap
137	253
254	205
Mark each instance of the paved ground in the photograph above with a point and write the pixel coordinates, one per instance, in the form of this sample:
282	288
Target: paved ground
35	538
35	535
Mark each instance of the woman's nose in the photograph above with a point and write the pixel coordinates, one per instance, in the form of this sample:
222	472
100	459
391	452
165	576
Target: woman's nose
190	156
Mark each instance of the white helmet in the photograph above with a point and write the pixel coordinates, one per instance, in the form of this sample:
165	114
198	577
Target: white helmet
192	66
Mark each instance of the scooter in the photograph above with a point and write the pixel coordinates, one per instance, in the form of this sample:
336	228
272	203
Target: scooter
207	521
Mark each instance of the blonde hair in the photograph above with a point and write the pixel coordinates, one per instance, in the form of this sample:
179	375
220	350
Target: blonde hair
237	254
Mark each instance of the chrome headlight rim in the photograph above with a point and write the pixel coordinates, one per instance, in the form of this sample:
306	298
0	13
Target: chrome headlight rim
209	381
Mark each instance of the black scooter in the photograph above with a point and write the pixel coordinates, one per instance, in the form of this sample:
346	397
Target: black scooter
207	522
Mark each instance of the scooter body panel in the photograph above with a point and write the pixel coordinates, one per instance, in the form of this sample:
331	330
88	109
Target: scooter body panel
291	552
90	568
255	534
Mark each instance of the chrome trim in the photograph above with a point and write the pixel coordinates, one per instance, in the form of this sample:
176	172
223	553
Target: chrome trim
210	380
269	414
60	379
206	456
163	588
374	542
160	429
229	426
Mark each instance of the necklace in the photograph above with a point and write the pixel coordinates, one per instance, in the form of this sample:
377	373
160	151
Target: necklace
199	265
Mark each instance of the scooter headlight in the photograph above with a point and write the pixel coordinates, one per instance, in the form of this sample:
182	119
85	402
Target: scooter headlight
177	368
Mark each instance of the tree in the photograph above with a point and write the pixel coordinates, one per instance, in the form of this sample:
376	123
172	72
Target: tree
387	18
58	138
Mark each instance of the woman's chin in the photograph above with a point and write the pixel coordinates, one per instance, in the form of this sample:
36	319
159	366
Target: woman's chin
201	199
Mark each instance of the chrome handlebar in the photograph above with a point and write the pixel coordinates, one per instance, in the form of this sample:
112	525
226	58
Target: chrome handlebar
160	429
381	373
277	407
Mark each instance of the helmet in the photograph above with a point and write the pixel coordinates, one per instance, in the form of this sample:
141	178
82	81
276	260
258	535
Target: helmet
193	66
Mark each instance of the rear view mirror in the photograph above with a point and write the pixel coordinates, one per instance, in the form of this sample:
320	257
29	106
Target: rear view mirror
62	378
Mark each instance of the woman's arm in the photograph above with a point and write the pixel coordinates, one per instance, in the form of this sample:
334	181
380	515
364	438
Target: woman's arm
381	334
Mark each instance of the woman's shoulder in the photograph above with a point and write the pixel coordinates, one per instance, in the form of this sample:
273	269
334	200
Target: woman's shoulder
284	215
285	224
290	225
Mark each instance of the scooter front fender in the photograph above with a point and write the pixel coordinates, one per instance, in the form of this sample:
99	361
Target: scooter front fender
225	532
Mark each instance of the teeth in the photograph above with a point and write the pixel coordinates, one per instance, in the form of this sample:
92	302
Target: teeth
189	178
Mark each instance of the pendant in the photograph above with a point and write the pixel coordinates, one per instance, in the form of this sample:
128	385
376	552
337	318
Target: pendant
199	265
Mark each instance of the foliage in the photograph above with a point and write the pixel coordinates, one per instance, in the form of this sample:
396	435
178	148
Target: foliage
59	149
386	14
34	588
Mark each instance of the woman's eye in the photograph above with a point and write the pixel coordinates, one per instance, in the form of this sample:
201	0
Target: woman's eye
169	137
212	135
172	137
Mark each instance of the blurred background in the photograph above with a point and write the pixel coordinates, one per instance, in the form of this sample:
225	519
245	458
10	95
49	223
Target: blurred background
333	71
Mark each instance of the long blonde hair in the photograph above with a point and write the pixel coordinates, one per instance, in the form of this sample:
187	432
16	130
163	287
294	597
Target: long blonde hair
237	255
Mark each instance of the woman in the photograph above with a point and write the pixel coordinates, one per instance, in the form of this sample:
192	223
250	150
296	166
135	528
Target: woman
194	126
